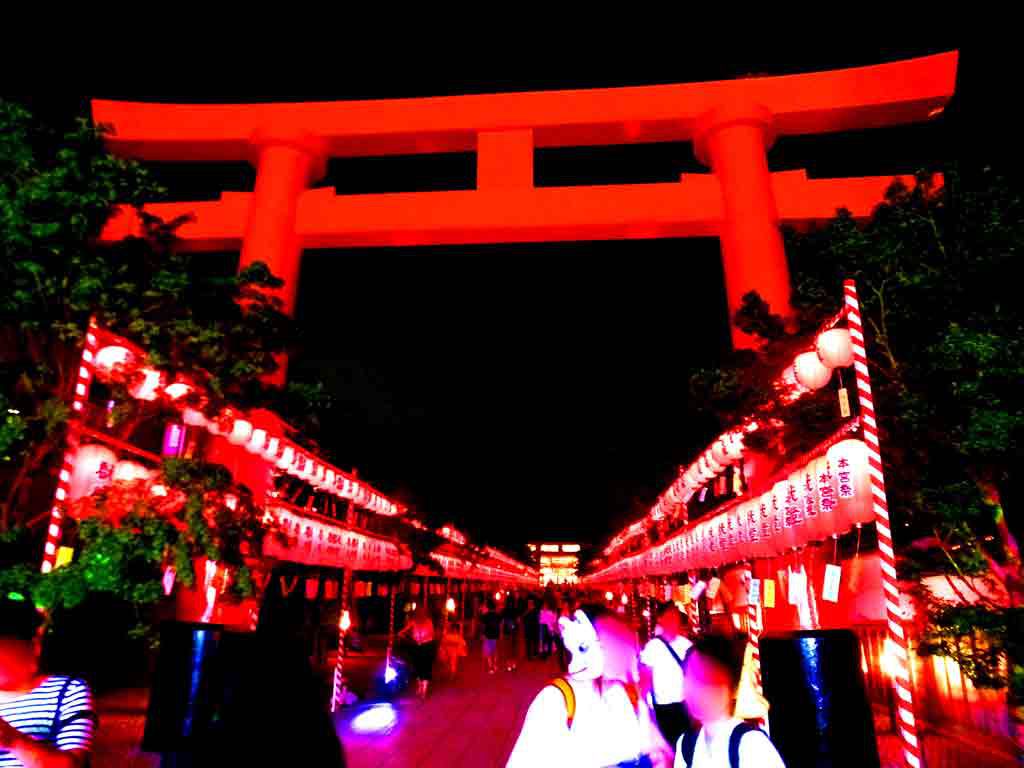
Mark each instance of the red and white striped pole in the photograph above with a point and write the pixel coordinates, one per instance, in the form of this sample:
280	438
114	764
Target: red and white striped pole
344	623
83	381
912	752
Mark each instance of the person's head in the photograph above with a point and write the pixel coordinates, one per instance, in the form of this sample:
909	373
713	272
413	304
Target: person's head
602	645
20	625
670	619
711	671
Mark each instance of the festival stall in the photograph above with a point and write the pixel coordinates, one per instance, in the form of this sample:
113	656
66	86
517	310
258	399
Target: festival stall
794	545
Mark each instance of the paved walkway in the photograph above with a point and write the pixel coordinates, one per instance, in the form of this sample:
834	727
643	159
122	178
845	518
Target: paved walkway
471	722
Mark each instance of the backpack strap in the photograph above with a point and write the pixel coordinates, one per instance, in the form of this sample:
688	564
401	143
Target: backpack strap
570	698
741	730
688	745
671	650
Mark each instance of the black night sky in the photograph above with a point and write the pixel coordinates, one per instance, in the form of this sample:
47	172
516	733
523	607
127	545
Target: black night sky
527	391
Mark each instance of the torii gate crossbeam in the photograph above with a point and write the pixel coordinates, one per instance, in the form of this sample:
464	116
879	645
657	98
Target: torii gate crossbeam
731	124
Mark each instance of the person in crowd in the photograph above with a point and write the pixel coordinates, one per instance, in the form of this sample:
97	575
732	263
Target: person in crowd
424	648
711	675
510	632
661	671
548	624
565	611
593	717
490	625
46	721
531	628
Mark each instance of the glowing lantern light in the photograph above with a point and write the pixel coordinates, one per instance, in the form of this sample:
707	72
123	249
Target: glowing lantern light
177	390
813	525
257	441
94	469
497	595
149	386
318	475
810	371
231	501
193	418
379	717
835	348
646	613
240	432
329	478
168	579
849	460
830	520
890	659
345	624
795	532
271	448
158	490
110	357
127	471
287	455
449	605
718	452
609	596
734	446
625	598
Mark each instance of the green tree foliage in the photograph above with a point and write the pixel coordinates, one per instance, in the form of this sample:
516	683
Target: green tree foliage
935	267
57	189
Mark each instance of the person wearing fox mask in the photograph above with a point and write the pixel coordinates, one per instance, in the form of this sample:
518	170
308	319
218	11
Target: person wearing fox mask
594	717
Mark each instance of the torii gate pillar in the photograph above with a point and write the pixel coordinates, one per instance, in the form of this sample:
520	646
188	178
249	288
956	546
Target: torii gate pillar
733	141
286	164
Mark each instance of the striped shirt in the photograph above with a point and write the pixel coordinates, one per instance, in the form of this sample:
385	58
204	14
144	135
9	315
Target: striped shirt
35	714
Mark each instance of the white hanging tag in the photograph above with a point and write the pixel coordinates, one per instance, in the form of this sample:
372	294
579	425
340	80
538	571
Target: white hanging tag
844	403
754	593
713	586
830	591
797	586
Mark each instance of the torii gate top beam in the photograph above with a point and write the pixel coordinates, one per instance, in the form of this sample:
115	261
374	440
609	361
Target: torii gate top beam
819	102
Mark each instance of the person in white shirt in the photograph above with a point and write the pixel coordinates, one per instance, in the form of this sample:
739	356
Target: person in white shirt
661	673
594	717
711	674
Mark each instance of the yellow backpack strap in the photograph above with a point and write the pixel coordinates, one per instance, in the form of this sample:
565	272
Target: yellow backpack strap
570	698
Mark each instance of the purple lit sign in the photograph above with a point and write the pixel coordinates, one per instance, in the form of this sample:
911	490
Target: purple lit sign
174	439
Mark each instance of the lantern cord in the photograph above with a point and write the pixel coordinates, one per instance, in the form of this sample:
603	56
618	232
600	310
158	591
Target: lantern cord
856	552
835	549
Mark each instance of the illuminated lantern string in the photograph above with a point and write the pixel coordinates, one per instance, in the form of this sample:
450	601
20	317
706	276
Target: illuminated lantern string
853	480
127	471
240	433
81	397
257	441
912	753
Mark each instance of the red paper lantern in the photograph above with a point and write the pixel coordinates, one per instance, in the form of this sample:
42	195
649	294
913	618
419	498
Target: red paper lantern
718	452
764	525
778	517
849	459
149	384
810	371
93	469
835	348
113	356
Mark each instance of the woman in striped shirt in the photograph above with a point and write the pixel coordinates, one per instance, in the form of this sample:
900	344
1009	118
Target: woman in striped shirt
45	721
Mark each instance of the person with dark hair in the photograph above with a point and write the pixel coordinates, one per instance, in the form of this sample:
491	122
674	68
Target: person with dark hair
711	672
661	672
424	648
490	625
46	721
595	716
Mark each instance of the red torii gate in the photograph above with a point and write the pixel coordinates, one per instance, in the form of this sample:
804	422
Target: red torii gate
731	123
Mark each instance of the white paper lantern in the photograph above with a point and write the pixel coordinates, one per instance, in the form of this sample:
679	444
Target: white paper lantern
835	348
849	461
287	456
271	449
127	471
193	418
831	520
94	469
718	452
112	356
810	371
257	441
734	446
240	433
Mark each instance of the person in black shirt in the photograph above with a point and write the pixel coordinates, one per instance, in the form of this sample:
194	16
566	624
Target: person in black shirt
531	628
490	621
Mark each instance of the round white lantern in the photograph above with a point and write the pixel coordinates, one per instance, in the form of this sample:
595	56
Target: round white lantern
810	371
127	471
849	461
240	433
94	469
835	348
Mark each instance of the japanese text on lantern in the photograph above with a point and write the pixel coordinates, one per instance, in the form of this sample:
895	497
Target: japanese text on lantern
826	492
845	477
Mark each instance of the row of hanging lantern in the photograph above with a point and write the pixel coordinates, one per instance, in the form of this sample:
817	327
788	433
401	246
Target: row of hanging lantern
826	498
147	383
810	370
